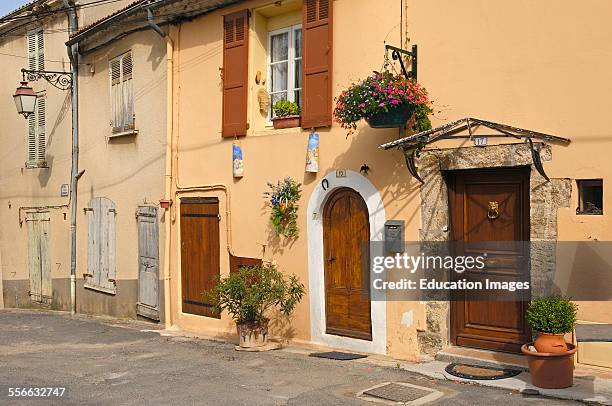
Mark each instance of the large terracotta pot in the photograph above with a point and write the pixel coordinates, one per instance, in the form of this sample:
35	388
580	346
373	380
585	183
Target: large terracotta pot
252	334
551	370
553	343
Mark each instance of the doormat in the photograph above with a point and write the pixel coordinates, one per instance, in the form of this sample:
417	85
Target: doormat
340	356
480	372
400	393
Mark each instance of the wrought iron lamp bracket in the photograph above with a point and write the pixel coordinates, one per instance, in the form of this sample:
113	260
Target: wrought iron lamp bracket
396	54
58	79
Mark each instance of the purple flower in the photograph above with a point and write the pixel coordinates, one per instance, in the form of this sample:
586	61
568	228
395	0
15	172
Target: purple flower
394	101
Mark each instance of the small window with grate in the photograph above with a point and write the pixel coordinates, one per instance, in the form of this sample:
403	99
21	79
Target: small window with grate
590	196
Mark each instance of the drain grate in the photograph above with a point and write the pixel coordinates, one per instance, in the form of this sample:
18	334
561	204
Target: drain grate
400	392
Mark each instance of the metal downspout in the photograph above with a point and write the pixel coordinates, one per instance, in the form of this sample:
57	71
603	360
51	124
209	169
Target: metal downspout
74	175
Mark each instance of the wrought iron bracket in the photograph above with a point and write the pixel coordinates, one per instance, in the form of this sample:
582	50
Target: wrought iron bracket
58	79
412	168
537	159
396	54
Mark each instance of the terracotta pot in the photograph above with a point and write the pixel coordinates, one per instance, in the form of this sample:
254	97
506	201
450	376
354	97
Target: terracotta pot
252	334
547	342
286	122
551	370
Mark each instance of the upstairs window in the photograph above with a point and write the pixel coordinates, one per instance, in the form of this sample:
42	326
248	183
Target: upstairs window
36	50
590	196
122	94
285	65
36	140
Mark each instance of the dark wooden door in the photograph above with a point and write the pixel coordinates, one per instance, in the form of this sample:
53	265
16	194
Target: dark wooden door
200	262
346	236
494	325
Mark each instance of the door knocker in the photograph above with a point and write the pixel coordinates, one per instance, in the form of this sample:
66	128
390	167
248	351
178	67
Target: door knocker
493	211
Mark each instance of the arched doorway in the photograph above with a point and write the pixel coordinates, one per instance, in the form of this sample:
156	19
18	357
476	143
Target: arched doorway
346	237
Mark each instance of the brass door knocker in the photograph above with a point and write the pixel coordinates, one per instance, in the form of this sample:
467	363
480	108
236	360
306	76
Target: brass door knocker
493	211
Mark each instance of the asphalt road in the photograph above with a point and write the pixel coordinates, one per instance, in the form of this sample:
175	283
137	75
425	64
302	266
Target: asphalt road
109	362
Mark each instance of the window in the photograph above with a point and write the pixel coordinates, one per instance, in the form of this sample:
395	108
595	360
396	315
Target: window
122	95
101	271
36	138
285	65
36	50
590	196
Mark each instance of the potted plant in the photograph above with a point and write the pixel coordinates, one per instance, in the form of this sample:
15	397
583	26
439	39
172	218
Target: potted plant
250	293
550	358
282	199
286	114
384	100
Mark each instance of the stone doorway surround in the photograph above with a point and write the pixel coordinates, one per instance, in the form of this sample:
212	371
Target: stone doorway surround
544	200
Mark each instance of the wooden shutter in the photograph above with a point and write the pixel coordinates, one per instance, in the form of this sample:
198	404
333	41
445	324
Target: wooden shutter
31	141
41	135
122	94
235	73
127	92
317	58
101	273
36	50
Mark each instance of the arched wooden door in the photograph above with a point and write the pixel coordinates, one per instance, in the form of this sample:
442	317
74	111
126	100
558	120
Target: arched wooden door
346	237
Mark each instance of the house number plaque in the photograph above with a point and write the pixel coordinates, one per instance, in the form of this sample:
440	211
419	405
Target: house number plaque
341	173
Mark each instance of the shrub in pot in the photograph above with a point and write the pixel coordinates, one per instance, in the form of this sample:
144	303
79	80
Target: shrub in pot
250	293
551	364
286	114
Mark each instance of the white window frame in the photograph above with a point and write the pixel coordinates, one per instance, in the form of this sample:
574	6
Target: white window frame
291	58
127	90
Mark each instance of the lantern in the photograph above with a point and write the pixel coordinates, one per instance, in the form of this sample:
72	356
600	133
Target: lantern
25	99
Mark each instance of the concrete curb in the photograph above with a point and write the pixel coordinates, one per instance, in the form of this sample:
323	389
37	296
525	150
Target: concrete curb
591	390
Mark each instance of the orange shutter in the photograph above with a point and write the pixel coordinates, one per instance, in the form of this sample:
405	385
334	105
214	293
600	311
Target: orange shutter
317	63
235	73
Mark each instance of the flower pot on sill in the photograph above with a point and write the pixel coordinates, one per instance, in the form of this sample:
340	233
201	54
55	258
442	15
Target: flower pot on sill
396	117
286	122
551	370
252	334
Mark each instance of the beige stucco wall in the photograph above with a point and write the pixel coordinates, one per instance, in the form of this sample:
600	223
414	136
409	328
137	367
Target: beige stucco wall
537	65
127	170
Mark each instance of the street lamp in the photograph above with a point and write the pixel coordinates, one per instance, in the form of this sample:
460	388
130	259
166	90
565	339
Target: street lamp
25	99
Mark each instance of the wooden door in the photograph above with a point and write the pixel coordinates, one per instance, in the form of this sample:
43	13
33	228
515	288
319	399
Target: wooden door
346	237
200	251
39	265
494	325
148	262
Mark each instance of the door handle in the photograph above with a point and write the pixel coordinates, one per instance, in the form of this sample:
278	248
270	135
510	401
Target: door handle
332	259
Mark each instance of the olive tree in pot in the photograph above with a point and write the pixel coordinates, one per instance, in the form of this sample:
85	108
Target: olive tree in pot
550	358
250	293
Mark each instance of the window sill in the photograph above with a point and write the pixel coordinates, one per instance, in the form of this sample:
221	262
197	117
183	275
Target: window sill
120	134
39	166
269	130
100	289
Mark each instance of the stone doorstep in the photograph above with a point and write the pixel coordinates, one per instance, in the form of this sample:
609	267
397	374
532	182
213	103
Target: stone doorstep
482	358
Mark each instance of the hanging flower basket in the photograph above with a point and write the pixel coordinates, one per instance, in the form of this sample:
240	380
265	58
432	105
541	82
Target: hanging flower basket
384	100
396	117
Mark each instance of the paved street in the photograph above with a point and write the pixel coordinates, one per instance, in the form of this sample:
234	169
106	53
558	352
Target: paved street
104	362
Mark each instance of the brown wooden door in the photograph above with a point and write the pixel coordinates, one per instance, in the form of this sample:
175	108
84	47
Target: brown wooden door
493	325
346	236
199	253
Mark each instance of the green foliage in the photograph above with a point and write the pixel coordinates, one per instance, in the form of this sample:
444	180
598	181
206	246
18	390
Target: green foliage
421	118
284	108
282	199
249	293
554	315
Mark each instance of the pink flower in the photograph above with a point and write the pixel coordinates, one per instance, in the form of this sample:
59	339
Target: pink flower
361	105
381	105
395	102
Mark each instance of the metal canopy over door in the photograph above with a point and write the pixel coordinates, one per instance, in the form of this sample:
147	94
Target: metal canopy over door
200	253
38	251
346	236
473	195
148	262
